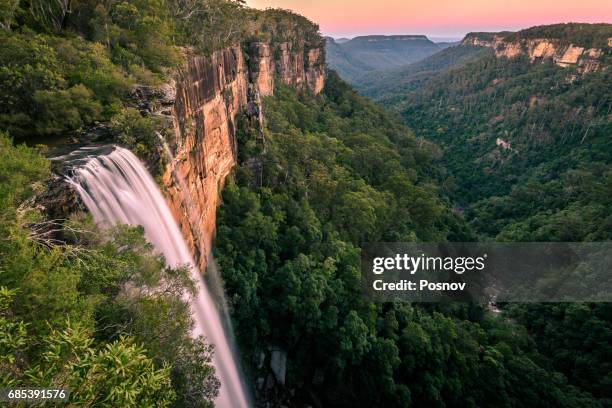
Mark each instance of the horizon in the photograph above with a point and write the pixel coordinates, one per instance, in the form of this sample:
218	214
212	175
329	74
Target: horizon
439	18
435	39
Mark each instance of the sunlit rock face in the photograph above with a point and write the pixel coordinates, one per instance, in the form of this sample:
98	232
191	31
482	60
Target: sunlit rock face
262	67
209	94
210	91
539	49
315	69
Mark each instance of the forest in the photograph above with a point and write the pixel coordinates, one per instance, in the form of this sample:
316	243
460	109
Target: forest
300	275
524	156
97	310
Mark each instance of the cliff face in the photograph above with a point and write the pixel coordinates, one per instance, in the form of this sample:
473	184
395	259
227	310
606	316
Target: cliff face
210	93
538	49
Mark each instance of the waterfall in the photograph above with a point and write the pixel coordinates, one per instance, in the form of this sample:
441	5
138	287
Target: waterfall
117	188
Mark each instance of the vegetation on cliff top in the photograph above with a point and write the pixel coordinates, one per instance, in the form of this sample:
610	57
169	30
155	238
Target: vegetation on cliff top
578	34
67	65
98	312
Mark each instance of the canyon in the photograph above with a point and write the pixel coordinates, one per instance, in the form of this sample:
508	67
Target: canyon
206	97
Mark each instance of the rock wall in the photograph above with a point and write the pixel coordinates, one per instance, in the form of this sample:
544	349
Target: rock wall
297	65
538	49
261	67
210	91
209	94
315	69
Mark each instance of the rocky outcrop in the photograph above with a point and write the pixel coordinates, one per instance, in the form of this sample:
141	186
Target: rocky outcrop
301	66
538	49
315	69
209	93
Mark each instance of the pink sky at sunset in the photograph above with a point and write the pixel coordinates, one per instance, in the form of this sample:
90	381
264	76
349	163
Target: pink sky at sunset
441	18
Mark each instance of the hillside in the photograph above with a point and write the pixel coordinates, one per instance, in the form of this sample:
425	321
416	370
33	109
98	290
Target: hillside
108	311
336	171
519	120
527	155
390	86
579	45
369	53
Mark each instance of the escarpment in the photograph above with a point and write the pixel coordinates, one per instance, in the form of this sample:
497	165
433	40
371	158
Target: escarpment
585	55
210	93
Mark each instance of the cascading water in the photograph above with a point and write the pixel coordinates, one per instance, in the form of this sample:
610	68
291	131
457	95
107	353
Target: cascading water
117	188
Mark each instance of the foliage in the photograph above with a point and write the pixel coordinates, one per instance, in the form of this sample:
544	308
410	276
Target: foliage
390	86
209	24
95	310
512	130
7	13
65	65
287	244
117	374
578	339
578	34
526	151
65	109
50	14
279	26
136	131
52	85
193	375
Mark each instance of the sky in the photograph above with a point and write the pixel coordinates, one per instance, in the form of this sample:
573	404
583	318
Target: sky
439	18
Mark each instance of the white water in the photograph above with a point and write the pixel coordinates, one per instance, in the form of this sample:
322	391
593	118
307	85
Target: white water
117	188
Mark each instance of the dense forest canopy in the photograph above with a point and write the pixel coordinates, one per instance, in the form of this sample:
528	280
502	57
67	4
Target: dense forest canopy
389	86
525	156
288	246
582	35
526	129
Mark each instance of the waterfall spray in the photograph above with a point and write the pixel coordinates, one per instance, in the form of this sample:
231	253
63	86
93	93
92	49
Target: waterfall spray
117	188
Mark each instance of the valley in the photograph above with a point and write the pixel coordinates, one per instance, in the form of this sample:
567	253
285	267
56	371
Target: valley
186	189
367	55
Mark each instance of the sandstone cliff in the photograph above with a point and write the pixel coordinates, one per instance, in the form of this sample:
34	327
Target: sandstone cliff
538	49
209	94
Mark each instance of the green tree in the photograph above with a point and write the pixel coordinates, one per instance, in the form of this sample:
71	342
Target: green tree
117	374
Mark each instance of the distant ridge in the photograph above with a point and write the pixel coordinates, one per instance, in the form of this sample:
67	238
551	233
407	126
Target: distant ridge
390	37
366	53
